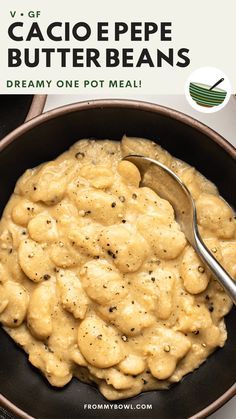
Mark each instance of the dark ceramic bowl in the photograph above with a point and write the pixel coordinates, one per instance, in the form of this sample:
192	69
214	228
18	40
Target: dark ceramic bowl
200	393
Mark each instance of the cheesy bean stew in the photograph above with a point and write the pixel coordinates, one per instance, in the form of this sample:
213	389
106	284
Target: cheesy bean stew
97	280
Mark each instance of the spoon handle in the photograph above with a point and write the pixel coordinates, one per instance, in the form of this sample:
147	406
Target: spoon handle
216	268
216	84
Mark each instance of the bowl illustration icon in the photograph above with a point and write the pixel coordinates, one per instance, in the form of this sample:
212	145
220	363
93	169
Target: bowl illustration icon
206	95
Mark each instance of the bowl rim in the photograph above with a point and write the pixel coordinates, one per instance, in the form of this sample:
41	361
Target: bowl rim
124	103
204	413
206	87
127	104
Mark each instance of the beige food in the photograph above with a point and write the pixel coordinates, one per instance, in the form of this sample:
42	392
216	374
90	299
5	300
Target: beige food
96	279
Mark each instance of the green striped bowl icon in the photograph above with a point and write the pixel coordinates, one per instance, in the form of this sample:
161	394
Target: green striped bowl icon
203	96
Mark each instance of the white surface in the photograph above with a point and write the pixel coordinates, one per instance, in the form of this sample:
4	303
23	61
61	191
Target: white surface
224	122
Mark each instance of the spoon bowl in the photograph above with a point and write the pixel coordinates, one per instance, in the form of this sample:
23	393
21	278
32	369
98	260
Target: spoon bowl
169	186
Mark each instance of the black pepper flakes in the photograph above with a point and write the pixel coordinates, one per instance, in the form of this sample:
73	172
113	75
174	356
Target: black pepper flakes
79	155
110	253
113	205
99	337
111	309
46	277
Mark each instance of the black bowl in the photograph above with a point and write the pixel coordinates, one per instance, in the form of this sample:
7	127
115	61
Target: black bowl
45	137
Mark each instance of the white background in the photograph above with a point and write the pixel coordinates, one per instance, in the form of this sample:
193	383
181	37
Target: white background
206	28
224	122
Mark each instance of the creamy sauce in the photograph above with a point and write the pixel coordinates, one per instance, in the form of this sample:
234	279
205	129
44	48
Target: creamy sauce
96	279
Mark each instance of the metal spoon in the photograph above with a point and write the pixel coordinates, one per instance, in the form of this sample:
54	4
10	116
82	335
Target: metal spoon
168	186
